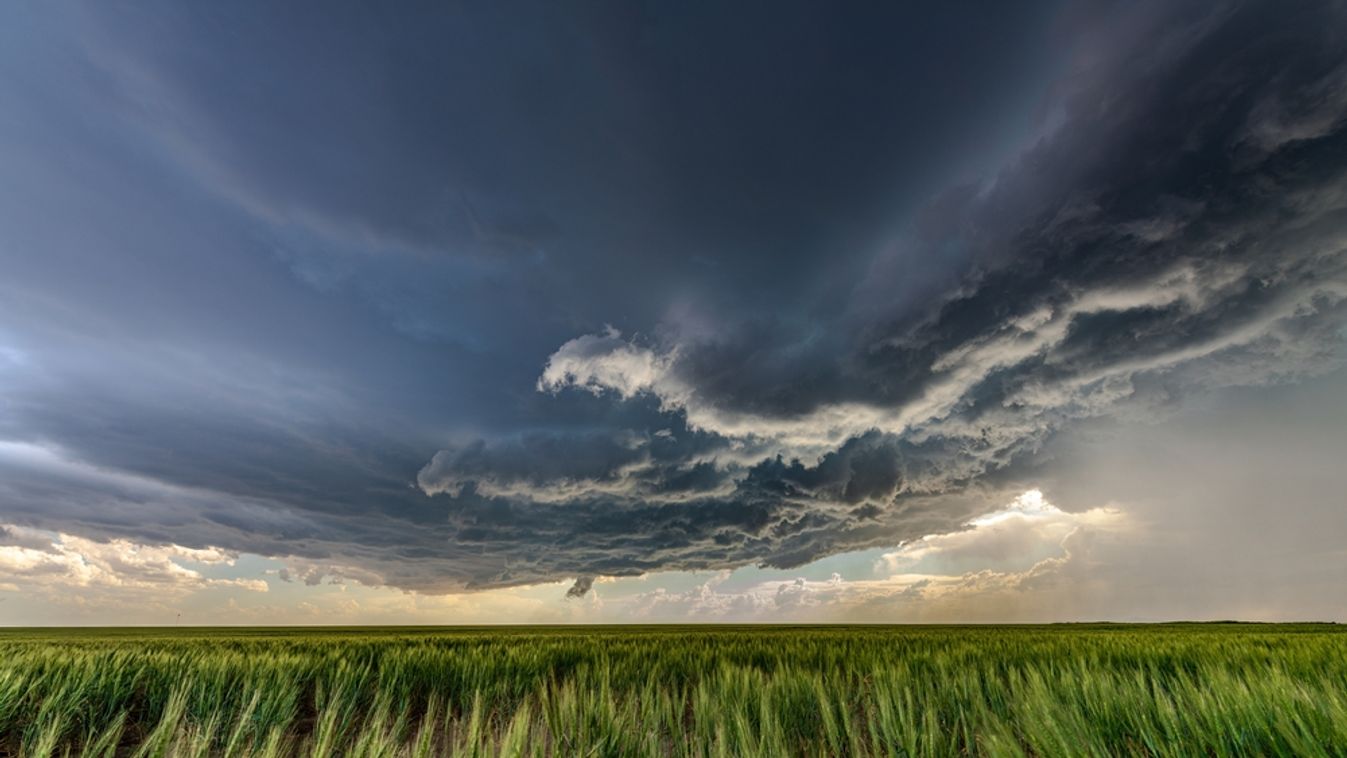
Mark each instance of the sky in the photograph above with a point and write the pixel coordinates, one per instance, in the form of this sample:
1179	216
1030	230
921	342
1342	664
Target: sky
473	312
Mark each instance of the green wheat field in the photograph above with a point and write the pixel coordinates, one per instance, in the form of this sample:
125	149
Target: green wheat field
1071	690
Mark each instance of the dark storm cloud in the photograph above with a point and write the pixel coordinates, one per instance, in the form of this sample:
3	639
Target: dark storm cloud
1167	235
552	466
571	149
581	587
308	299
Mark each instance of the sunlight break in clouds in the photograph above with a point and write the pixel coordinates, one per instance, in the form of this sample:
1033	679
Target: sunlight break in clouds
1003	559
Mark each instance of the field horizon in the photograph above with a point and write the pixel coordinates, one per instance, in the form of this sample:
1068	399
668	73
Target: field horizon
673	624
676	690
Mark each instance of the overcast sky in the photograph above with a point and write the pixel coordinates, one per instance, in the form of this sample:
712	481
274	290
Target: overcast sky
495	312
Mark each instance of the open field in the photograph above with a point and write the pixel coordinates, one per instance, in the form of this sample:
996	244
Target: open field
682	691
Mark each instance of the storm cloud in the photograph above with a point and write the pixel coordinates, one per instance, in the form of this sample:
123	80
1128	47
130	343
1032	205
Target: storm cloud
1167	236
579	303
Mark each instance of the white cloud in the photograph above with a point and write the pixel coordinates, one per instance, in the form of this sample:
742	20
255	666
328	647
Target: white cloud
607	362
999	560
47	561
628	480
312	573
599	362
1028	530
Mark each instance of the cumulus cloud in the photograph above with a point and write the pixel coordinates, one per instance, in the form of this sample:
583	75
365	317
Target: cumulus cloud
312	573
599	362
51	562
1029	530
1012	556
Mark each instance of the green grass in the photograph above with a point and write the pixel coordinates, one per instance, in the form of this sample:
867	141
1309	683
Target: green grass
1104	690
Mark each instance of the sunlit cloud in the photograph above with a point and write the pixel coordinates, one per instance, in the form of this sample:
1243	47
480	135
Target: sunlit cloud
1001	556
55	562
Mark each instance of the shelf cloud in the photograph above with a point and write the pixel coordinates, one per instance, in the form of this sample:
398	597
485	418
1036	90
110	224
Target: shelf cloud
444	315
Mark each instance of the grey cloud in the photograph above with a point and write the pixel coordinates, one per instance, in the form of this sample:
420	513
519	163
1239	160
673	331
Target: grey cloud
550	467
21	538
1139	253
581	587
279	361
